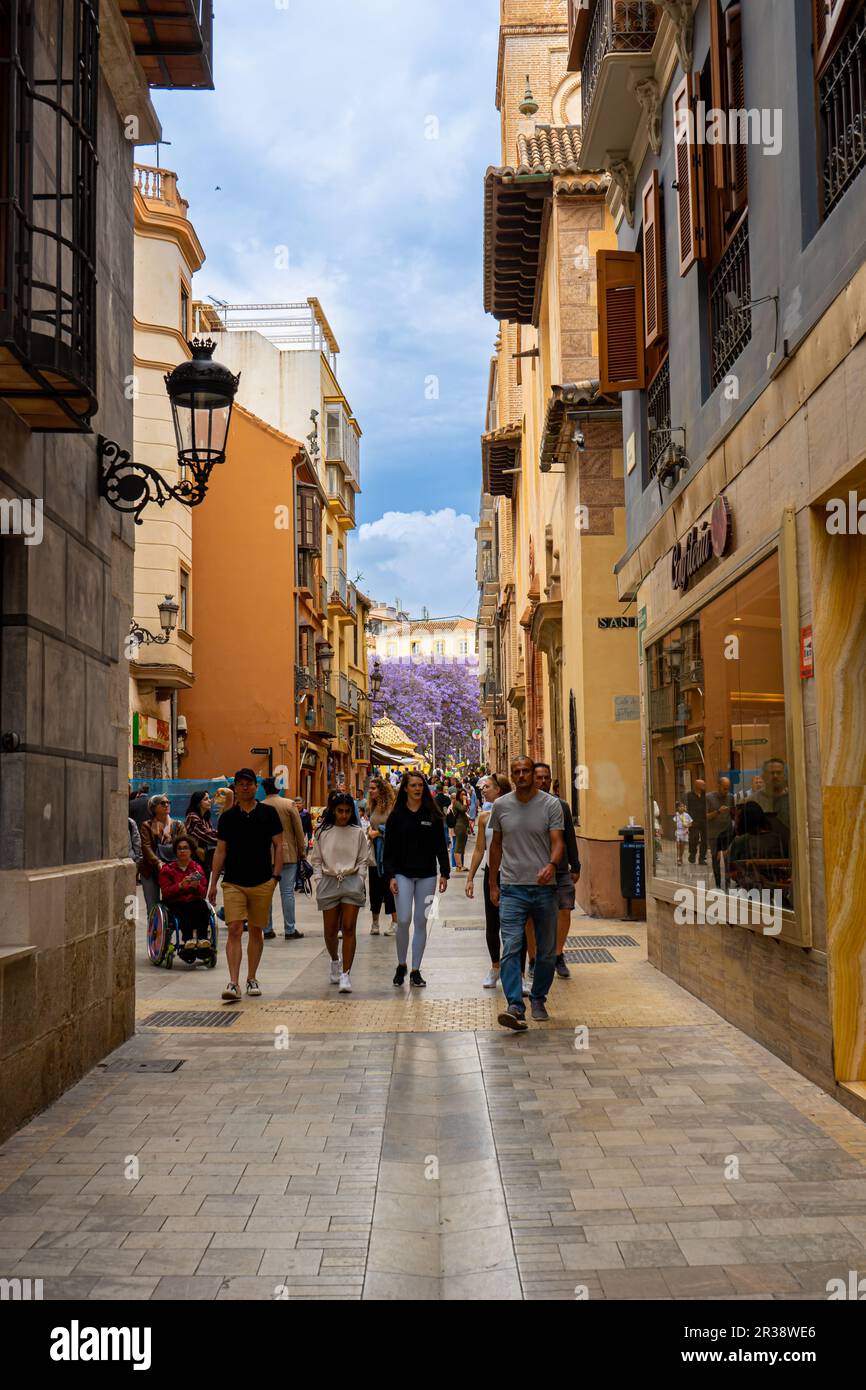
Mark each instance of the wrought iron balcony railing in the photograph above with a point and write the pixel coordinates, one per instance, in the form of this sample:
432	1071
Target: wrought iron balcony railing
617	26
730	295
659	415
842	104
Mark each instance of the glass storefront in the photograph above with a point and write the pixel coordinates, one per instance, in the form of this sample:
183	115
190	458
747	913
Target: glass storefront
717	750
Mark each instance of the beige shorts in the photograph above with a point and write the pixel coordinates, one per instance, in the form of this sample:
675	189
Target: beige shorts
250	905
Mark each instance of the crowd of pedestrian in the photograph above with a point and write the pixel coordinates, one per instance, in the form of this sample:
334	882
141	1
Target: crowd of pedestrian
400	844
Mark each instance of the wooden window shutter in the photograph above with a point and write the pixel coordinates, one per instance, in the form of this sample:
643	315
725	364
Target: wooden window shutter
654	273
690	187
829	17
738	169
621	361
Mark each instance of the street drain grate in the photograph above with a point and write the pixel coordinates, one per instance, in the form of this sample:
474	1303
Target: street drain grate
601	941
589	955
130	1064
190	1018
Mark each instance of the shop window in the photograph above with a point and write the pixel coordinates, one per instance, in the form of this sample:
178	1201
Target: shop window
717	728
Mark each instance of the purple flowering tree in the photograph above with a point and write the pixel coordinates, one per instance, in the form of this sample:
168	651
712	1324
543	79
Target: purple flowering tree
413	695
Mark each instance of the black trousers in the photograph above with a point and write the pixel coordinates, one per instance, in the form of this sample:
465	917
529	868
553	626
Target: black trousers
380	892
191	917
697	842
491	920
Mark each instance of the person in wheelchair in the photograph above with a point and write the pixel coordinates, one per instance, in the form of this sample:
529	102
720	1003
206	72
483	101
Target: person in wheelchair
183	887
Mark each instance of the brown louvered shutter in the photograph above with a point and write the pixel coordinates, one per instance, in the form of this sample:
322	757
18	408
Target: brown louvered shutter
738	172
829	17
689	179
654	276
621	362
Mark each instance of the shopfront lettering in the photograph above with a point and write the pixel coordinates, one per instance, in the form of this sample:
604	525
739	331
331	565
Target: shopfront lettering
710	541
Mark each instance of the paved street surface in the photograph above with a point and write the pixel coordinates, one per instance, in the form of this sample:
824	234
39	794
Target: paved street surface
390	1145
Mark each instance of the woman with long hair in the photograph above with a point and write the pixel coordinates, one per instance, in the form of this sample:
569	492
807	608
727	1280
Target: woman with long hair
380	800
339	857
460	811
200	830
415	846
491	787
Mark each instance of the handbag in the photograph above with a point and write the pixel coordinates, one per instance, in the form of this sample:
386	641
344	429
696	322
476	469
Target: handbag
304	877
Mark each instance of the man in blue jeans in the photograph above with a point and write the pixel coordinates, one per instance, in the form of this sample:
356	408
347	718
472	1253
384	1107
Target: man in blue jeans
527	843
294	848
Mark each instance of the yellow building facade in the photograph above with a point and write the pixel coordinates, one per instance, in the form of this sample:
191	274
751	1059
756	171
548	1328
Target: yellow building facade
167	255
557	651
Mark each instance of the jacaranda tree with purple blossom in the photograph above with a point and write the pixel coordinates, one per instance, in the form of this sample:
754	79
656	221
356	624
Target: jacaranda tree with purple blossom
413	695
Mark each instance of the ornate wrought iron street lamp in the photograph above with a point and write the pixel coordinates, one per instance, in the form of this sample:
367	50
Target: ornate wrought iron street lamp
376	679
168	611
202	394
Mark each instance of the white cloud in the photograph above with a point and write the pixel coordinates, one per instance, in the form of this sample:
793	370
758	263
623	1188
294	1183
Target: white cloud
426	559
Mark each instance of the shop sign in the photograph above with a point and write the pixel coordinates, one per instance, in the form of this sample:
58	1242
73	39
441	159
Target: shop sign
807	654
710	541
617	624
148	732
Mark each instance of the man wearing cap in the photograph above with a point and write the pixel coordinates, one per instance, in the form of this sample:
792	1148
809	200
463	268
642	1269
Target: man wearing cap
250	856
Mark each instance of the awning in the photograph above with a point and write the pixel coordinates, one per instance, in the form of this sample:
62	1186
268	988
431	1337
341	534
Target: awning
380	754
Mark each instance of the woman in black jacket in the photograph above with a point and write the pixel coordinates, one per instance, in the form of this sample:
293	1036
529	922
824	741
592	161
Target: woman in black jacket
415	846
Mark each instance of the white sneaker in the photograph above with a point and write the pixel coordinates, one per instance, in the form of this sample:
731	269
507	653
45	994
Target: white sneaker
374	929
491	979
345	983
389	930
336	971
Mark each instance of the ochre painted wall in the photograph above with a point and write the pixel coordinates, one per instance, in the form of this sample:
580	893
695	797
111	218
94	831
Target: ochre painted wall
244	639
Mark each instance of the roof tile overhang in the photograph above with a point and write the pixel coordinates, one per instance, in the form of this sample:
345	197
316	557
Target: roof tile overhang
517	209
500	451
555	436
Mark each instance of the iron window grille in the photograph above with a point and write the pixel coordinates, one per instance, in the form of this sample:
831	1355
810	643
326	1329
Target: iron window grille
842	106
617	26
48	110
659	415
730	296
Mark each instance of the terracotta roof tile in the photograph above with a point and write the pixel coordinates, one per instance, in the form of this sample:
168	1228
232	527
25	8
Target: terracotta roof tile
552	149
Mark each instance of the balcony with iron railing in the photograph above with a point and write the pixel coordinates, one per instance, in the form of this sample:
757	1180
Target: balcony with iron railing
658	398
842	108
611	43
730	295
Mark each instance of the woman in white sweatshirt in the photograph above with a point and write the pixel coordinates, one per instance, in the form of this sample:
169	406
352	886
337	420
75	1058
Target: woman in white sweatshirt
340	856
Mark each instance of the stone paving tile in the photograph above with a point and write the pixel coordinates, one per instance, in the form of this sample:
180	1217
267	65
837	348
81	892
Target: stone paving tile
307	1172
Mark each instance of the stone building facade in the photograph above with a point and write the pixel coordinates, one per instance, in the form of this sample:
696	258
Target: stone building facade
741	379
66	912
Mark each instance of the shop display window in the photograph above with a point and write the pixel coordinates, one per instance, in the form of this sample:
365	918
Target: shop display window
717	744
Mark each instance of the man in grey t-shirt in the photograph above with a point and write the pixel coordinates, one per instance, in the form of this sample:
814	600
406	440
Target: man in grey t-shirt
526	846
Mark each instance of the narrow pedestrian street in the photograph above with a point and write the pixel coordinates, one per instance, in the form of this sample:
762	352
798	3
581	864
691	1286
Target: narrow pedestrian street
388	1145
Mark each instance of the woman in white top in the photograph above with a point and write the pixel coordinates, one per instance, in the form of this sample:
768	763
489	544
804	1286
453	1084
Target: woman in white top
339	857
491	787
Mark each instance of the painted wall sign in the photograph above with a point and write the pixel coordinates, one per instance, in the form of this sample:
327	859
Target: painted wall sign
620	624
807	654
710	541
626	708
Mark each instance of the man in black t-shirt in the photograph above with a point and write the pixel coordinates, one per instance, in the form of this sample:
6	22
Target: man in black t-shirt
249	854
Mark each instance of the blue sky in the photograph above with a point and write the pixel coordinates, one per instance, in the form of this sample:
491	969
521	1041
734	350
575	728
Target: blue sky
357	135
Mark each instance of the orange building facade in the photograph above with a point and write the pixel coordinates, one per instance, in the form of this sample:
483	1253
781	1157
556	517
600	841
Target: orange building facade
256	539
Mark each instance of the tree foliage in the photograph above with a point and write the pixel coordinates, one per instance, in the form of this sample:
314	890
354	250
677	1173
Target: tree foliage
413	695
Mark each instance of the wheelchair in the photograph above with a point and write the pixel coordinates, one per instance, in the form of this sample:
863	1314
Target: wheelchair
165	941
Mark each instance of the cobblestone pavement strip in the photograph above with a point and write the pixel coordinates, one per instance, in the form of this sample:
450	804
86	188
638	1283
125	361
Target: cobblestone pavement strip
400	1146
